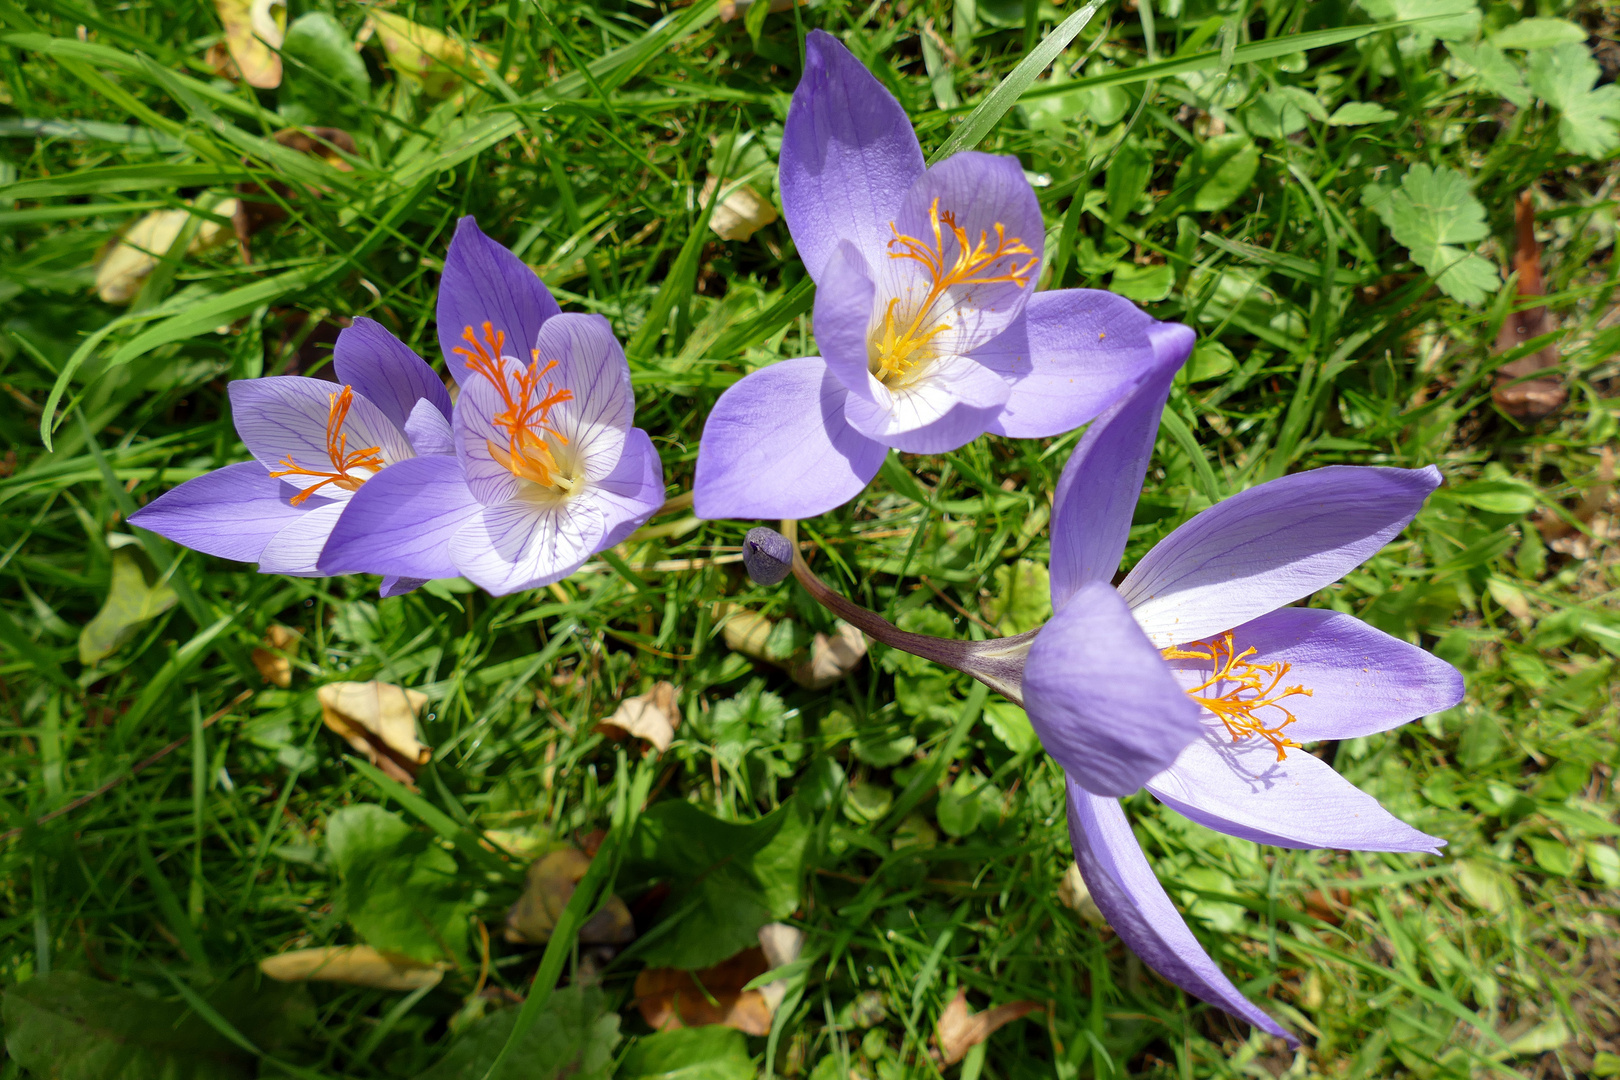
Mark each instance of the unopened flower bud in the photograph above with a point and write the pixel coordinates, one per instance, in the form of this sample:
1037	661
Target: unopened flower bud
767	555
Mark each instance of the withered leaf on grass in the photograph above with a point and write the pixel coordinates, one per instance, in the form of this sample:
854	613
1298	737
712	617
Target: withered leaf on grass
357	965
1536	398
130	261
823	661
426	57
652	716
131	601
379	721
960	1029
671	998
253	32
832	656
546	891
741	211
272	658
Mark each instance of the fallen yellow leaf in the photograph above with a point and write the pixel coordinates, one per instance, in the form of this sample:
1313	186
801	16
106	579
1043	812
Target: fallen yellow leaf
254	30
357	965
652	716
740	213
960	1029
130	261
272	660
546	891
379	720
430	59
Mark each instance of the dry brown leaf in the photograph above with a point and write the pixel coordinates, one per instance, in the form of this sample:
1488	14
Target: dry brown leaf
740	213
652	716
960	1030
379	720
424	56
669	998
546	891
131	260
357	965
1073	894
253	32
1533	399
272	660
831	657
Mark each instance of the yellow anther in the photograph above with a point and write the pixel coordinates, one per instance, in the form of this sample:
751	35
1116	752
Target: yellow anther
1238	689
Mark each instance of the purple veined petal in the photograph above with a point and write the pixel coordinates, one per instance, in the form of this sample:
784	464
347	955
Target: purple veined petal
401	521
1125	890
429	431
843	319
1242	790
1097	493
1269	546
633	493
523	544
296	549
1076	352
284	418
1101	698
491	482
393	585
591	366
848	156
231	512
952	404
1361	680
776	445
964	254
484	282
386	371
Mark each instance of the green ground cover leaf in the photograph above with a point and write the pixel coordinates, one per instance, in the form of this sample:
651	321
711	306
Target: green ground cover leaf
401	889
324	80
714	1052
131	602
573	1037
1432	214
1565	77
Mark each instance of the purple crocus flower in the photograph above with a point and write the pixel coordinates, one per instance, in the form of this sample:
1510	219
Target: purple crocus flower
315	445
1195	679
930	331
547	469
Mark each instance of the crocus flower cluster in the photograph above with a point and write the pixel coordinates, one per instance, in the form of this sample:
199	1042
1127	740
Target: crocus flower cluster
536	468
930	328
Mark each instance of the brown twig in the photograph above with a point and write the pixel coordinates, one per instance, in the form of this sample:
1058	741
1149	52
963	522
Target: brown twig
115	781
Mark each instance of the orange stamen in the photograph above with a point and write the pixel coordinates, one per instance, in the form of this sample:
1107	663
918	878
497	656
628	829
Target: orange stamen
528	451
900	348
1241	689
337	449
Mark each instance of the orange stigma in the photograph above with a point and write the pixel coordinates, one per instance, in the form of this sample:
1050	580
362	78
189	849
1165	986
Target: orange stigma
897	347
1241	689
528	452
337	449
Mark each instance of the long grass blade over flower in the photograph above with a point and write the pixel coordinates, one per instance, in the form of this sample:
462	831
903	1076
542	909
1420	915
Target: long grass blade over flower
547	467
930	328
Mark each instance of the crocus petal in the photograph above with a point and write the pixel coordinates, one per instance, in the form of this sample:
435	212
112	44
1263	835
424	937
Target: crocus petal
400	521
429	430
386	372
474	423
1101	698
1242	790
633	493
842	318
296	549
988	198
1074	353
284	418
948	407
231	512
484	282
1361	680
1097	493
393	585
521	545
591	366
776	445
848	156
1130	897
1269	546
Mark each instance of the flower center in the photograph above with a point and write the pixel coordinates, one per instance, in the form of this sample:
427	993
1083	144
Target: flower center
531	441
906	335
1239	690
337	449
